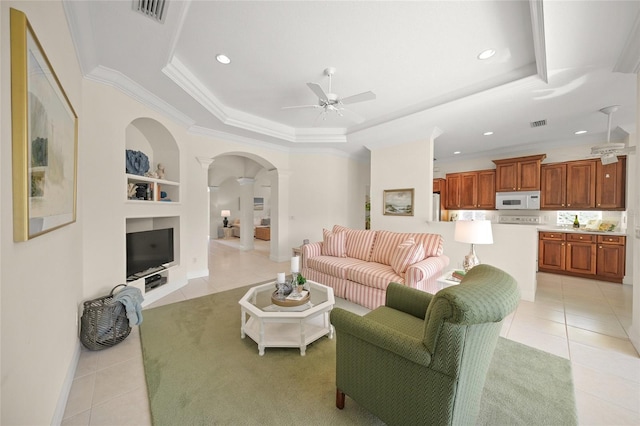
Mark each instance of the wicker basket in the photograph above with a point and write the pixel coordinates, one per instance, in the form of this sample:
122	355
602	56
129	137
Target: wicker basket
104	322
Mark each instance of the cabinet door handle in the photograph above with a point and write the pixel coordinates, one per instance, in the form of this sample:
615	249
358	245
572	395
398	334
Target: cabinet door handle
599	247
568	205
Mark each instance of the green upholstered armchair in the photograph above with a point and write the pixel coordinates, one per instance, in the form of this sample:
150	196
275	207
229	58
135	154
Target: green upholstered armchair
422	359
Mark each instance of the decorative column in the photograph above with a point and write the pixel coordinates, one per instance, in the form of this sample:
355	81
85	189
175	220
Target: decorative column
280	215
246	213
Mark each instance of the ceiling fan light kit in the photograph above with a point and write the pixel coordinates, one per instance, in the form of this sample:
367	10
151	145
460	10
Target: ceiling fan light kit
331	102
609	151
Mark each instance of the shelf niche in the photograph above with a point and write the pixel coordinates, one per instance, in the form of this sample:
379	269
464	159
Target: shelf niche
155	141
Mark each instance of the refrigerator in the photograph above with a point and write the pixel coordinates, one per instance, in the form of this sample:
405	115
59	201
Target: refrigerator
436	208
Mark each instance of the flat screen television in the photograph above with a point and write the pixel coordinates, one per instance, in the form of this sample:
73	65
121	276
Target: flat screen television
148	249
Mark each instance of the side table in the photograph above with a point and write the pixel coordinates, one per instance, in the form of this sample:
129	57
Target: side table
446	280
228	232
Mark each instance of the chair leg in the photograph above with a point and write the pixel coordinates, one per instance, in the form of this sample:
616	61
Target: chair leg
339	399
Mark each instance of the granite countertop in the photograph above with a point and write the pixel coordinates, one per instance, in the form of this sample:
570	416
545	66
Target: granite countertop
578	231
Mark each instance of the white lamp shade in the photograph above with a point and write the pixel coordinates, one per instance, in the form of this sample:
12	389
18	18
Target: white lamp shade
225	213
473	232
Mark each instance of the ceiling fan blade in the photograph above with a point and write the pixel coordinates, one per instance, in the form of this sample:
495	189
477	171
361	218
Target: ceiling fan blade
360	97
317	89
302	106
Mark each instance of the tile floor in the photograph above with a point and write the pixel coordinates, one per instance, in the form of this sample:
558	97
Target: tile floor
585	321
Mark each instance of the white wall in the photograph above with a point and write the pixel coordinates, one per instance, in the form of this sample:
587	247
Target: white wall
407	165
40	279
634	229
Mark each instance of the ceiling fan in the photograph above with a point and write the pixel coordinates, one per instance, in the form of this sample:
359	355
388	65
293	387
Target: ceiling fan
608	152
331	102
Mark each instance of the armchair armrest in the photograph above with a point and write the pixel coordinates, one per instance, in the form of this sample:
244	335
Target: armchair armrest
311	250
425	269
410	300
380	335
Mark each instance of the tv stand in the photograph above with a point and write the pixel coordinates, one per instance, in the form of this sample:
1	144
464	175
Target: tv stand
146	273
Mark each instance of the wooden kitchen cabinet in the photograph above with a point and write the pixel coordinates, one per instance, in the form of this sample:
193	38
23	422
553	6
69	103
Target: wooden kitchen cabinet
553	186
581	184
518	174
610	185
439	185
471	190
611	257
581	254
599	257
551	251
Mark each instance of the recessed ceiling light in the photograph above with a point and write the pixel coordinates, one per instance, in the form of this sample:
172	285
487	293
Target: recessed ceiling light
487	133
581	132
456	152
486	54
223	59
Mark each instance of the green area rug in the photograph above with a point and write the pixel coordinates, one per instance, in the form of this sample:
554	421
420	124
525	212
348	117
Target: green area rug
200	372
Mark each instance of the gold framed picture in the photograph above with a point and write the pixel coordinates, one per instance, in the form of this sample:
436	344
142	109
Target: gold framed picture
398	202
44	138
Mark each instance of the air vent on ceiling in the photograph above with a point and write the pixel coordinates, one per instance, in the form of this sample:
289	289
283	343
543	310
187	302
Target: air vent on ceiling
154	9
538	123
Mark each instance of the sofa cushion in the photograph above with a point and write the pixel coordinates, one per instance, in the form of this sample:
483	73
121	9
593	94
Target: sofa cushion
373	274
331	265
359	242
334	244
406	254
387	242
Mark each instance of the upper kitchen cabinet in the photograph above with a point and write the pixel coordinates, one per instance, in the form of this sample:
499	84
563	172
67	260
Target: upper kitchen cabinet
518	174
569	185
439	185
583	185
471	190
610	185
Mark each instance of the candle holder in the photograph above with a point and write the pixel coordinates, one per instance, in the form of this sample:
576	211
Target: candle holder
294	283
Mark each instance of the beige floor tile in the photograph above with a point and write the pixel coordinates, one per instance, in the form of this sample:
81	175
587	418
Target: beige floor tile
536	339
606	361
123	351
81	395
599	412
610	326
81	419
87	363
614	344
619	391
117	379
540	311
129	408
539	324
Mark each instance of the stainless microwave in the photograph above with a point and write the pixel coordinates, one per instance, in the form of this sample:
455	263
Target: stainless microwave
520	200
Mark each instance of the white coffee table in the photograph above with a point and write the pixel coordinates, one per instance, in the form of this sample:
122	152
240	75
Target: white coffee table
446	280
274	326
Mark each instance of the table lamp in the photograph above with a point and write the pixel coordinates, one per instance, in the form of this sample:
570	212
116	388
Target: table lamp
473	232
225	214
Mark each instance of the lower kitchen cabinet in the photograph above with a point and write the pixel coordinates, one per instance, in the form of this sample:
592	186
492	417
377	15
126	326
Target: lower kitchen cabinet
599	257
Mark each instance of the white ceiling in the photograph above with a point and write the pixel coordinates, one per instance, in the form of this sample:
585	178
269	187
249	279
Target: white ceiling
555	61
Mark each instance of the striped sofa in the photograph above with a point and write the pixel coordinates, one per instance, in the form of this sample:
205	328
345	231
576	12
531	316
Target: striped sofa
359	264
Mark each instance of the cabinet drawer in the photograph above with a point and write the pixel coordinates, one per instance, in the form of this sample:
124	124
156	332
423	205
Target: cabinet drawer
611	239
558	236
581	238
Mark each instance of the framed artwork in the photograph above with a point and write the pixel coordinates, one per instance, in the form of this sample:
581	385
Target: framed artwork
44	139
258	203
398	202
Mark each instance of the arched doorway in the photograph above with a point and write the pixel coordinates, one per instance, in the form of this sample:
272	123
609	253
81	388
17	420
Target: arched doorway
241	185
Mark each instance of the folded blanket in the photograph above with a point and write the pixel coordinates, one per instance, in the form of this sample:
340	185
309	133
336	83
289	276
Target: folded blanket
131	298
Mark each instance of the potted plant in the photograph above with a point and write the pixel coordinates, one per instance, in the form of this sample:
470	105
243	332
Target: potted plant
301	281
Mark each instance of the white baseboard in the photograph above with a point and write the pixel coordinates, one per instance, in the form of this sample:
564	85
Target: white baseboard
58	415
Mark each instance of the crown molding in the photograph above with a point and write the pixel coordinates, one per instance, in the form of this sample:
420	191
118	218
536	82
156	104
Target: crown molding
629	59
79	23
539	44
118	80
180	74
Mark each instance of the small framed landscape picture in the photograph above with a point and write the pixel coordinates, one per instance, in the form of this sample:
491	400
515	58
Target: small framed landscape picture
258	203
398	202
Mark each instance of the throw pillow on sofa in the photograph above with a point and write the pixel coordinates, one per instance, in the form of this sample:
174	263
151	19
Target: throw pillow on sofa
334	243
406	254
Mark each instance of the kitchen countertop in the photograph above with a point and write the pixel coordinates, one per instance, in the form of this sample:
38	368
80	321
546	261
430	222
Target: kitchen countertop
578	231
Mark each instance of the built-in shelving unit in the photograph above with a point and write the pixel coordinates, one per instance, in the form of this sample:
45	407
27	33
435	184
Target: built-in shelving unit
158	188
152	211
